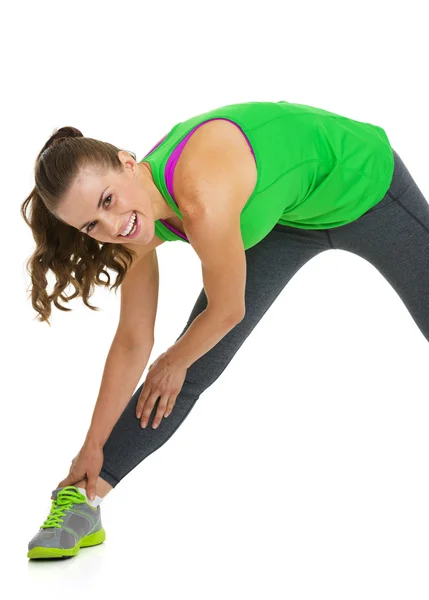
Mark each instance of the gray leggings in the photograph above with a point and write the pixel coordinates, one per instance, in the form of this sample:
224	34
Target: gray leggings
393	236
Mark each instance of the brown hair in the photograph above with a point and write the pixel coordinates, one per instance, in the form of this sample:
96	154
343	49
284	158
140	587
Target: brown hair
74	257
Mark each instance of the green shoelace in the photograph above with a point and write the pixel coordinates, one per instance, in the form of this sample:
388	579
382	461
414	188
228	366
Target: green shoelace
65	499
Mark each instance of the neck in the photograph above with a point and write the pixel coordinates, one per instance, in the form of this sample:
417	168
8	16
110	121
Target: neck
160	206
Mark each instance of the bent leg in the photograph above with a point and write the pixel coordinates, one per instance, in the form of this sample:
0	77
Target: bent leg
270	265
394	237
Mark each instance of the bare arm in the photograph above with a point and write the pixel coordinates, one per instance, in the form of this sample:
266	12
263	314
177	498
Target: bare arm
123	369
131	347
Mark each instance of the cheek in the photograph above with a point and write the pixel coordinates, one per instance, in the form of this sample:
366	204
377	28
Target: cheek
101	237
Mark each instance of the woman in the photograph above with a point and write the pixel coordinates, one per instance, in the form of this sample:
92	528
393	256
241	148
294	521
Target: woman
257	189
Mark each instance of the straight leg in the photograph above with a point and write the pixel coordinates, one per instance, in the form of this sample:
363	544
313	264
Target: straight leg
394	237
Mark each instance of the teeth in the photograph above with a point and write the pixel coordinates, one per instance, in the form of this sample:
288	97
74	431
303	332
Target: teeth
130	226
133	230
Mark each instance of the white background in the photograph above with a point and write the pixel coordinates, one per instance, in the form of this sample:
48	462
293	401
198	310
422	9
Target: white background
302	472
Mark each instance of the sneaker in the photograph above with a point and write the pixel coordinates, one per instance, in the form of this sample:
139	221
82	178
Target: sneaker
72	524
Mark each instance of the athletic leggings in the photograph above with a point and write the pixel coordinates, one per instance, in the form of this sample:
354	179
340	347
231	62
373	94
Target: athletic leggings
393	236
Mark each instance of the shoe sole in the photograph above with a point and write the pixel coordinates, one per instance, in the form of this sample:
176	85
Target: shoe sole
89	540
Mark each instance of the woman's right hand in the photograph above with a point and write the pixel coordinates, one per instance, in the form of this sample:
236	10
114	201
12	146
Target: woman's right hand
86	464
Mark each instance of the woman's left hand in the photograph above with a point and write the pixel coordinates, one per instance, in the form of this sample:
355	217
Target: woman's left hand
164	379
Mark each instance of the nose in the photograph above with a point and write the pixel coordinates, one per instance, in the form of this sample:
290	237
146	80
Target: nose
113	227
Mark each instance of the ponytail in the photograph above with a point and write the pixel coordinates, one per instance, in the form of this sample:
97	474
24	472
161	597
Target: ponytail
74	257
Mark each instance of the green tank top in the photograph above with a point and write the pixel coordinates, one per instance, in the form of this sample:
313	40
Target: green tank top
315	169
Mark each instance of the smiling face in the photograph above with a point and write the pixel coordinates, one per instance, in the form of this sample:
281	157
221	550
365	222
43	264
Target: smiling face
102	206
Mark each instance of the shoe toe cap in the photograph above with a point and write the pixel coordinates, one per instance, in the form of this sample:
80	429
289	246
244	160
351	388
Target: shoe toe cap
52	538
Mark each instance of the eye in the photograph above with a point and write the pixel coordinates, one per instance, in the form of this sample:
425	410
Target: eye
105	199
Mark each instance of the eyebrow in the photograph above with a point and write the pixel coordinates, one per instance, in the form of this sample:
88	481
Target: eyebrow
98	206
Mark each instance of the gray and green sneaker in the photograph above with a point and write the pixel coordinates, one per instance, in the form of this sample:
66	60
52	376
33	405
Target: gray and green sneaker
72	524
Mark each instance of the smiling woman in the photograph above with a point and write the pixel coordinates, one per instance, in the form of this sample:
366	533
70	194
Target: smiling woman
260	189
74	257
90	200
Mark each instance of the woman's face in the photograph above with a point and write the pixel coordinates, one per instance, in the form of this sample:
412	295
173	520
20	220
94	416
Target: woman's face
101	206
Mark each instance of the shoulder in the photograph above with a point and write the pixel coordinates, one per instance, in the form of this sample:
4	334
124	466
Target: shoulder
216	160
215	131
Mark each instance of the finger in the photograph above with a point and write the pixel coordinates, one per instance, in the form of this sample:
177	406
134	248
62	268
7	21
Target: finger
147	411
142	399
67	481
161	410
170	405
143	404
91	486
149	407
73	477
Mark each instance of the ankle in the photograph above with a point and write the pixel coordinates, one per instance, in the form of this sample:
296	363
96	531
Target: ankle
102	488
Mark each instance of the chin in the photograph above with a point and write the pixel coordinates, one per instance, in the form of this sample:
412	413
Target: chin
148	238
